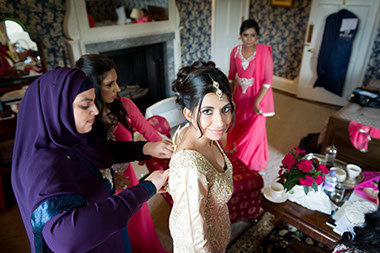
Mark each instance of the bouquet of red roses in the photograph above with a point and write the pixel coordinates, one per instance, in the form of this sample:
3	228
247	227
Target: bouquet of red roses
298	170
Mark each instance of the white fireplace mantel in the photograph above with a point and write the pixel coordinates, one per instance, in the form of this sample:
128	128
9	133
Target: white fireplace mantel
79	34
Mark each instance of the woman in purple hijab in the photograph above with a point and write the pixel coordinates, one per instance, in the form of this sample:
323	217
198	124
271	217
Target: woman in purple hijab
61	173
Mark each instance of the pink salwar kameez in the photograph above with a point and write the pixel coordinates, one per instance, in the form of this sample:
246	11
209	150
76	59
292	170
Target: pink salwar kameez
248	137
141	231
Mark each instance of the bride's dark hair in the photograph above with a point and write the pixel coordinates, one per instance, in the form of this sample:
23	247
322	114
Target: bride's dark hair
195	81
366	238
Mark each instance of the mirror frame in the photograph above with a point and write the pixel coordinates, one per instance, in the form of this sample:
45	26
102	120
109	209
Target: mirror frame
76	15
79	34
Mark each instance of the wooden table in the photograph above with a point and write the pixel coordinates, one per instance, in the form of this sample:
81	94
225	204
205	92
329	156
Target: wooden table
310	222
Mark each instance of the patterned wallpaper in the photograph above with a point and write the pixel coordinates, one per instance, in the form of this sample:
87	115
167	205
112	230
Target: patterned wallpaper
43	19
195	18
284	29
373	69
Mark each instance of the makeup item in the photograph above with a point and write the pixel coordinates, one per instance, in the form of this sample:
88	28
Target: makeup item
338	194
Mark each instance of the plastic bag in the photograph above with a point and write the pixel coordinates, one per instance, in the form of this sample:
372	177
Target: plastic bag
365	97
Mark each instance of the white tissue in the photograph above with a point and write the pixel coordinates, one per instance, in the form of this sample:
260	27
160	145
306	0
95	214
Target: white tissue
317	201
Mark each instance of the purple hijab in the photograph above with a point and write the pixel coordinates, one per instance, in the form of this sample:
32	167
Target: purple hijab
47	147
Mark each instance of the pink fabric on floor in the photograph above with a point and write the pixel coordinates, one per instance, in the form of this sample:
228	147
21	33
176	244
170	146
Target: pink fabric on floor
141	231
369	176
359	135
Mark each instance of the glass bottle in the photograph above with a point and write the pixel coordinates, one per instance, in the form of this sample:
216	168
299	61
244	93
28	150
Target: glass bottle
330	156
330	182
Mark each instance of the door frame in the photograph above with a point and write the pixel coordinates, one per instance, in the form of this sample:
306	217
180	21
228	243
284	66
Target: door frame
362	53
291	86
213	21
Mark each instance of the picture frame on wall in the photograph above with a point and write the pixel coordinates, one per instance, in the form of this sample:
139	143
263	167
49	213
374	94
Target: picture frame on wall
281	3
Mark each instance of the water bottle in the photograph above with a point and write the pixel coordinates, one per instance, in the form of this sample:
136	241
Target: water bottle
330	156
330	182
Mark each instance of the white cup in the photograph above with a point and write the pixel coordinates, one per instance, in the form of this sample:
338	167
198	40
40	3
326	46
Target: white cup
353	170
340	174
276	190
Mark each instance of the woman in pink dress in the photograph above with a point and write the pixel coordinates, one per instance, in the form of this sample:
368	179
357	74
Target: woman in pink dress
251	75
120	118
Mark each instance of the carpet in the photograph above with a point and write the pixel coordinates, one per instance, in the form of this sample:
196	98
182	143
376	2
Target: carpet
269	235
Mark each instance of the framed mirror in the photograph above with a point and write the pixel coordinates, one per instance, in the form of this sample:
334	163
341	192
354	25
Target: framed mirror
120	12
19	55
21	62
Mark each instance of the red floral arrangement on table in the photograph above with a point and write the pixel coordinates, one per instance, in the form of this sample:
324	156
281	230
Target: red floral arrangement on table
297	170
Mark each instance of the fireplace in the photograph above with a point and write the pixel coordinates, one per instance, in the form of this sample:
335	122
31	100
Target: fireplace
144	65
141	73
147	55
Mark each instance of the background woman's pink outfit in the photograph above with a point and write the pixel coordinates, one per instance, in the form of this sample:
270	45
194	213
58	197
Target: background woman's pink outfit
248	137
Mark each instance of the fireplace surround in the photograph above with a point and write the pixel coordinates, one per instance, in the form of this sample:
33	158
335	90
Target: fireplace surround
81	39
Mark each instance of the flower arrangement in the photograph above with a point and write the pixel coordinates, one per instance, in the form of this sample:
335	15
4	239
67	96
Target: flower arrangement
297	170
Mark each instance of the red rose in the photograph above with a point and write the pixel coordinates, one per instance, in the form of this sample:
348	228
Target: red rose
319	179
322	168
305	166
299	150
308	181
288	160
302	181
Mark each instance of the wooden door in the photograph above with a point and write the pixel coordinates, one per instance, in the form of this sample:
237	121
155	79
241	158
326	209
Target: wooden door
368	13
227	18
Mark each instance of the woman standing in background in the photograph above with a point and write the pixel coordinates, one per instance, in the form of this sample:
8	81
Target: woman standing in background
119	116
251	75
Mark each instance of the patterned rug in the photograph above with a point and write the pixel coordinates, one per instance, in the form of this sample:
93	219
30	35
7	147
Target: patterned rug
269	235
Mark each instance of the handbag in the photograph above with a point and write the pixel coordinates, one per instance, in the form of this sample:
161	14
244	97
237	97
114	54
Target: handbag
365	97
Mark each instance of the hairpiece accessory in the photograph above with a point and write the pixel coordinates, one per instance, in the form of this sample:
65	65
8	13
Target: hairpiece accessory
218	92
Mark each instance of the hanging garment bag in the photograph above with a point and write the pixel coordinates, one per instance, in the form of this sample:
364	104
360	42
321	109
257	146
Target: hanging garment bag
335	52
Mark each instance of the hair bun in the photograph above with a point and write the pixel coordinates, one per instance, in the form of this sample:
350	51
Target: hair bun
183	74
195	79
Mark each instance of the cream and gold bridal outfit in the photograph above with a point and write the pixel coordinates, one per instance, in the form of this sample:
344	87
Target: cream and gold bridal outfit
199	220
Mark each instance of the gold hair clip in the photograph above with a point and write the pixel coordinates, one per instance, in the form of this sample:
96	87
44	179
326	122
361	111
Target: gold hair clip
218	92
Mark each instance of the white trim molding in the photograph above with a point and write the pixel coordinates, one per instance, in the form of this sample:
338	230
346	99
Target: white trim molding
79	34
286	85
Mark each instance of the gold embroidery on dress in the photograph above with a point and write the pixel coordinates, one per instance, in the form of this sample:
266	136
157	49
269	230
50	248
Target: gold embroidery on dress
213	207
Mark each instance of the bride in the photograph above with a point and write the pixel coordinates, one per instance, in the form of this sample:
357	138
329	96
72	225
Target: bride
200	179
